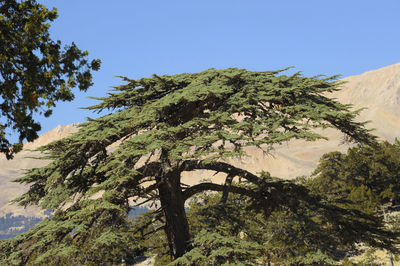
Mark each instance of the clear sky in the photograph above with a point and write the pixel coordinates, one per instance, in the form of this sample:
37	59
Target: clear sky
136	38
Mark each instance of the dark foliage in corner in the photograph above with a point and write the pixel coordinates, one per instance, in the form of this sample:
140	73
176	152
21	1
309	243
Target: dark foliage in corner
35	71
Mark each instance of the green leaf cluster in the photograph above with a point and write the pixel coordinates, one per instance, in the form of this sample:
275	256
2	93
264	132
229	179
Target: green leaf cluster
35	71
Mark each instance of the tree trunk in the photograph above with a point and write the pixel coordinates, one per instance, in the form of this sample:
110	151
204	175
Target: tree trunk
173	204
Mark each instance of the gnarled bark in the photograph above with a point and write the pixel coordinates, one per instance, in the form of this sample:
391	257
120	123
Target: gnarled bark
173	205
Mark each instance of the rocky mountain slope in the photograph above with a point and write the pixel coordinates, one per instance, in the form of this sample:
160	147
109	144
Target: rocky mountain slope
378	90
11	169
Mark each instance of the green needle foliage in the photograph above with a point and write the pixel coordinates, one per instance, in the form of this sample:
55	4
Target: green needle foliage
366	177
234	234
163	126
35	72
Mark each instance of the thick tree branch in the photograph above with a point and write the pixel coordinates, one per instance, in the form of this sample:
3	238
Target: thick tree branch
191	165
189	192
149	169
228	184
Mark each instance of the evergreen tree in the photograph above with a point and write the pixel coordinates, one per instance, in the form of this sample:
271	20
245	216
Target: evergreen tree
233	233
165	125
365	177
35	72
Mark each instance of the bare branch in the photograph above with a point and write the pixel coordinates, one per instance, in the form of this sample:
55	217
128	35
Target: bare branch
189	192
221	167
228	184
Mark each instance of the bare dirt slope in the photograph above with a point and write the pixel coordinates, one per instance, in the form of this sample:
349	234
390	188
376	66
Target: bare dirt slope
377	90
11	169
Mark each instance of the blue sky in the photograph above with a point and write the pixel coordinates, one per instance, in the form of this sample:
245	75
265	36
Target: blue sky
138	38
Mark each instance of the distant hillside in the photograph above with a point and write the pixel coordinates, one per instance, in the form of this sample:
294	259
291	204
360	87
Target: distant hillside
11	226
10	169
378	90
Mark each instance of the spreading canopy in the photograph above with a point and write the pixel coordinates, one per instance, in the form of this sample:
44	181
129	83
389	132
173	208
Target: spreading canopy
209	115
165	125
35	72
